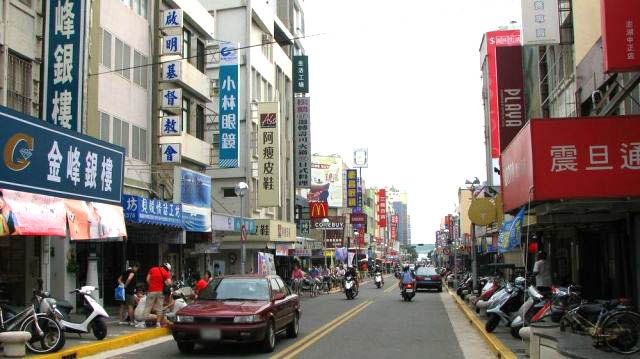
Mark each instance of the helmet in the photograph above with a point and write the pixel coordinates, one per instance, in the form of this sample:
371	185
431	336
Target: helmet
519	282
406	267
167	266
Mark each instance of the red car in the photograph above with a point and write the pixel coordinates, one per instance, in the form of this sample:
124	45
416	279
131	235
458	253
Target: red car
248	308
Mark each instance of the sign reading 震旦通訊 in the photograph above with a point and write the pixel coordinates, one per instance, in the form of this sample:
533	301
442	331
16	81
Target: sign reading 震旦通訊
39	157
228	108
64	56
269	155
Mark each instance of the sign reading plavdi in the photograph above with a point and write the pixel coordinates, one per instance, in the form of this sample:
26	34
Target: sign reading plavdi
228	109
41	158
64	63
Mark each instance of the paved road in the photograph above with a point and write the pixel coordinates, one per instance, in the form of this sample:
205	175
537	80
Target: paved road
379	325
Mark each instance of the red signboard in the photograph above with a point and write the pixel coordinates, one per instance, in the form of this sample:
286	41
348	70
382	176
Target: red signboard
318	209
382	208
358	218
395	219
493	40
510	92
599	159
621	35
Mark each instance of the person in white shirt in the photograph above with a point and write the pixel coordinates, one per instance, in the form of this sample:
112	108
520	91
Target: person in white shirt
542	271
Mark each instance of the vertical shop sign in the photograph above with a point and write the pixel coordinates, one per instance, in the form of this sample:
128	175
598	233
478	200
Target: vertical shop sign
620	30
382	208
300	74
511	111
228	108
540	22
352	188
269	155
303	142
64	63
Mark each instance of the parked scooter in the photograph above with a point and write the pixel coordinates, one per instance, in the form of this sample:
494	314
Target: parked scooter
95	316
488	291
503	309
378	279
350	288
535	308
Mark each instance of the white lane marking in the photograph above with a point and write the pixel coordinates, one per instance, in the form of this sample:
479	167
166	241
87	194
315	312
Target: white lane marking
131	348
471	343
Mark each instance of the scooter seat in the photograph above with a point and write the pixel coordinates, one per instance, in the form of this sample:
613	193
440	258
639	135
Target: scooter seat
10	310
63	304
591	308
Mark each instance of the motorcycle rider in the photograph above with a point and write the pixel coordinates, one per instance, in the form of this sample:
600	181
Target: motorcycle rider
379	270
406	277
351	270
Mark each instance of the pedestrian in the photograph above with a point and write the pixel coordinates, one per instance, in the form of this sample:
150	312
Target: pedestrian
203	283
542	272
157	279
127	281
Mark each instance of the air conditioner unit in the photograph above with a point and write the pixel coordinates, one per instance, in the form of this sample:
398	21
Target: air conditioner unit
266	38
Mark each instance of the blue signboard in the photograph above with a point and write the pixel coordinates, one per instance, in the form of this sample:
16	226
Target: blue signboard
193	190
228	108
509	237
64	63
250	224
41	158
152	211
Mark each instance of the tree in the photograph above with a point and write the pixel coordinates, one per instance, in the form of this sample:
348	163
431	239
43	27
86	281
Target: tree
410	251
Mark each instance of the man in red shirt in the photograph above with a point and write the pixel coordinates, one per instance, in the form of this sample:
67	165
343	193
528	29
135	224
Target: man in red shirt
157	278
203	283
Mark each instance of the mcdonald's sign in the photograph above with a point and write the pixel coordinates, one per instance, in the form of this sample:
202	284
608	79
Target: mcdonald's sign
318	209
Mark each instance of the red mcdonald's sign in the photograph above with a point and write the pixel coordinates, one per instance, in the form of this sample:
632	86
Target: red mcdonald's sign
318	209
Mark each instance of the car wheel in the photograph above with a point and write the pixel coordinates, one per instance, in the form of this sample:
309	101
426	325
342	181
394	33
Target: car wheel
269	343
294	327
186	347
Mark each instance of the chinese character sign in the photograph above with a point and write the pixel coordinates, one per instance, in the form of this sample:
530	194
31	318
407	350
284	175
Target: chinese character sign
64	63
171	18
300	74
540	22
170	153
382	208
171	125
352	188
172	45
269	155
620	25
171	71
144	210
172	98
42	158
228	106
302	131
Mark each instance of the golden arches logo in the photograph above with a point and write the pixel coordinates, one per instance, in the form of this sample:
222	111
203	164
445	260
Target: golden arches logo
22	161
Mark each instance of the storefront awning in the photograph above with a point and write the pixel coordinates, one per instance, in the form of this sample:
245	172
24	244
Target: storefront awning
157	212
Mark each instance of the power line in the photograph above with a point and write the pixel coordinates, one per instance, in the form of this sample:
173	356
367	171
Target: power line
206	53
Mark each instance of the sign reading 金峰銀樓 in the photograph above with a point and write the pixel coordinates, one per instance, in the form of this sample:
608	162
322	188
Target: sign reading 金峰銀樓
64	56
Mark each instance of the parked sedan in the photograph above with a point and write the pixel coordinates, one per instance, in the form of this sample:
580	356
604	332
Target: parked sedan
250	308
428	278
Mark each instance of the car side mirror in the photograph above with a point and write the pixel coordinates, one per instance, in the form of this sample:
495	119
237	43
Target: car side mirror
279	296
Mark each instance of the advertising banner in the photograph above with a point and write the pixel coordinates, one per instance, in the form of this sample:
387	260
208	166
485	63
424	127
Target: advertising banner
228	110
29	214
266	264
302	130
601	159
151	211
42	158
358	218
64	56
509	236
334	223
326	175
318	209
282	250
540	22
301	74
269	155
193	190
495	39
94	221
352	188
382	208
361	158
511	109
620	27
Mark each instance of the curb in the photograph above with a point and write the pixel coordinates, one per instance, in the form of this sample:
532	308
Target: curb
494	343
106	344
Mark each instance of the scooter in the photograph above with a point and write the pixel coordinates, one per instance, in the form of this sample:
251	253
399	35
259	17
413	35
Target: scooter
378	279
408	291
488	291
95	320
350	289
503	309
534	303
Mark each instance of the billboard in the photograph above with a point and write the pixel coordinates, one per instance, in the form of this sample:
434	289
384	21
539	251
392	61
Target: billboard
540	22
300	74
30	214
193	190
94	221
228	108
327	177
302	129
382	208
352	188
64	54
510	89
269	155
318	209
620	27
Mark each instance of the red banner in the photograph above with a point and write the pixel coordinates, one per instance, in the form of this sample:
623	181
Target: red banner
510	92
493	40
621	35
358	218
600	159
382	208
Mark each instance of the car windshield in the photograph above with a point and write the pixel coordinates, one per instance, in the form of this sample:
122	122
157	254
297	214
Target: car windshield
426	271
237	289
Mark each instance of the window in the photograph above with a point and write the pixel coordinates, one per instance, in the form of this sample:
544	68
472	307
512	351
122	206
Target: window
117	131
216	141
139	71
106	49
125	138
185	114
18	84
200	122
26	2
135	142
126	61
136	6
229	192
200	57
186	44
104	126
283	287
143	145
144	71
143	8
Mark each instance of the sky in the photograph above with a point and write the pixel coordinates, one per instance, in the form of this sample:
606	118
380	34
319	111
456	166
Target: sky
402	78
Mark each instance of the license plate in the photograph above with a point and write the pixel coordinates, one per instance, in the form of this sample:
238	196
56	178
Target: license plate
409	289
210	334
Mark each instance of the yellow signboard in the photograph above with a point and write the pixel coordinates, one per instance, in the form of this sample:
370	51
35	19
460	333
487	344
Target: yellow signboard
482	211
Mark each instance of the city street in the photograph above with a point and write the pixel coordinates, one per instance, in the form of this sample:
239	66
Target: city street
377	324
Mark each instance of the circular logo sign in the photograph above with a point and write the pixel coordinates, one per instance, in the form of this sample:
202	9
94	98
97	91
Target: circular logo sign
482	211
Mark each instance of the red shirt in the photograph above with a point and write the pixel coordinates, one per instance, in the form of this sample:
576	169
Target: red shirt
157	276
298	274
202	284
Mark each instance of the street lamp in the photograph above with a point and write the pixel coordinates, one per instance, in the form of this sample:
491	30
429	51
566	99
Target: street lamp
325	224
474	264
241	190
355	237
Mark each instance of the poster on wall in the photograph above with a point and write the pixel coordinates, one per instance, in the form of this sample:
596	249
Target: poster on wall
266	264
193	190
326	180
92	220
30	214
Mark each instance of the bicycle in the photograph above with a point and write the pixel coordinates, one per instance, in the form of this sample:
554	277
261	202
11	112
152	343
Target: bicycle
46	334
608	322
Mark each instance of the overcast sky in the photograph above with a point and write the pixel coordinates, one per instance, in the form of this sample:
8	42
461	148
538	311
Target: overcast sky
402	78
